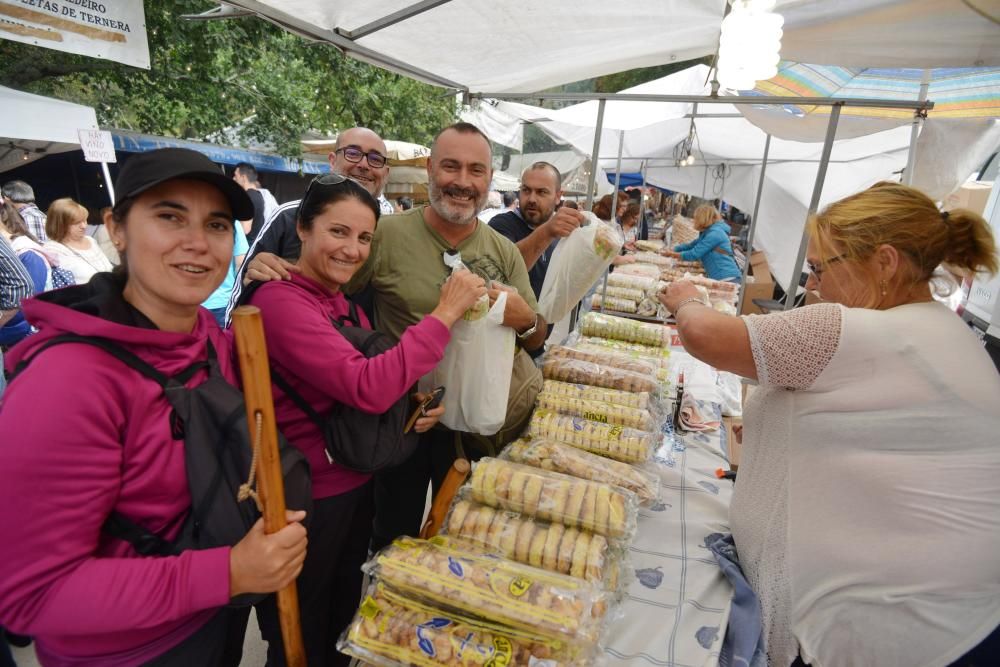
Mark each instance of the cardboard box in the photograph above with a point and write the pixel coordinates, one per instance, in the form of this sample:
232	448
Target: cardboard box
972	195
762	285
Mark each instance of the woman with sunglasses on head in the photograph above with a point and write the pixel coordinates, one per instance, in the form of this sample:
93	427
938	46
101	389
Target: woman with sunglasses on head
72	460
336	224
867	507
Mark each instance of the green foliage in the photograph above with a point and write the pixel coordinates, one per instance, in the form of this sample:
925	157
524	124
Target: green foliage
268	85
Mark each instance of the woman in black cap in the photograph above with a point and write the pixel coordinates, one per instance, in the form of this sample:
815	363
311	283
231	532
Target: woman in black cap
69	463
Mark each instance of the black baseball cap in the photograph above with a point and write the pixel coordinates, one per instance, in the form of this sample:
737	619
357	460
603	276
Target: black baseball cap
146	170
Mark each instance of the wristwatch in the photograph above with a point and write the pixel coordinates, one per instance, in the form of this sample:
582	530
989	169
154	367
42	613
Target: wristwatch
525	335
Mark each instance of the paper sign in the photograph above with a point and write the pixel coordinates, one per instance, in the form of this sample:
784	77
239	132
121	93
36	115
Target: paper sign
108	29
97	145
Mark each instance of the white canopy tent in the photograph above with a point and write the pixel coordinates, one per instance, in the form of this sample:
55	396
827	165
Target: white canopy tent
648	133
35	126
525	45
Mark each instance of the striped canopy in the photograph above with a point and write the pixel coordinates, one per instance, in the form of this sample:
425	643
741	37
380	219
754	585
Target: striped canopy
970	92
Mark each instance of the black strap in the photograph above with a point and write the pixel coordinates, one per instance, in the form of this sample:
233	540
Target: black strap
296	397
142	540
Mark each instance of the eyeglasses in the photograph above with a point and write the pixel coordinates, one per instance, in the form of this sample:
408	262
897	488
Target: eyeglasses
354	154
332	180
818	269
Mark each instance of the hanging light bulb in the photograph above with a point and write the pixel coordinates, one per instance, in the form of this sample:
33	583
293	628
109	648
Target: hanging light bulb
750	44
690	159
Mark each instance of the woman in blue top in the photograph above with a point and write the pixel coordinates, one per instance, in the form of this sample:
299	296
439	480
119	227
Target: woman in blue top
712	247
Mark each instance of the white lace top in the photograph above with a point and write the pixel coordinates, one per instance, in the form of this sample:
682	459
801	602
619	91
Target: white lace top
867	507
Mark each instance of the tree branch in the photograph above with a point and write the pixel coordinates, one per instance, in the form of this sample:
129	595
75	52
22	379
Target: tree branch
29	70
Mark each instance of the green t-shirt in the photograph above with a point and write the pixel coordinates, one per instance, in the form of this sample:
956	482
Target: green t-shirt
406	268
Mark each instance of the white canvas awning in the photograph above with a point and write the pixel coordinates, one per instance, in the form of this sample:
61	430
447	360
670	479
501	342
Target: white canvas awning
527	46
35	126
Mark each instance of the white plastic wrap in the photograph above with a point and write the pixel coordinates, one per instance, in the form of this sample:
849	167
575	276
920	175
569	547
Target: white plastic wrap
611	440
620	328
476	371
578	261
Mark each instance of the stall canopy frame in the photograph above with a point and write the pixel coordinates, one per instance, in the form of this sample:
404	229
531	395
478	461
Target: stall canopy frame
919	107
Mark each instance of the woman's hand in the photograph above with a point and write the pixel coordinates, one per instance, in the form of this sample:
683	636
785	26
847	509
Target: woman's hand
460	292
430	417
262	563
676	292
667	252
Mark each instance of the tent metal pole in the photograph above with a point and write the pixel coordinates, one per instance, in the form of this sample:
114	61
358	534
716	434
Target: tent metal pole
753	224
704	183
594	154
618	165
831	132
911	155
107	182
705	99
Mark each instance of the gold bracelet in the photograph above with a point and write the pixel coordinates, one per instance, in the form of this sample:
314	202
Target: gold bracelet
690	299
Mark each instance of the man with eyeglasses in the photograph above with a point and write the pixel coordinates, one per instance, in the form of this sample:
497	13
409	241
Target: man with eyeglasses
360	154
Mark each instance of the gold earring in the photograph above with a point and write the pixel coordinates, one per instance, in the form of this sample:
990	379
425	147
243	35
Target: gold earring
884	292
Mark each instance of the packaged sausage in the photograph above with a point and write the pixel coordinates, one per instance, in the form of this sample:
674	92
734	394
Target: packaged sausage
491	588
604	357
390	630
615	442
631	282
554	497
551	546
597	302
587	372
620	328
551	455
607	413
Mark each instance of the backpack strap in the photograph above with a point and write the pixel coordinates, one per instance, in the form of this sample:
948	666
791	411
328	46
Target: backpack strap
297	399
350	318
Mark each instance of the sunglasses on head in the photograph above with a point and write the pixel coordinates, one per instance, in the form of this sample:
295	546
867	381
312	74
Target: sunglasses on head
333	180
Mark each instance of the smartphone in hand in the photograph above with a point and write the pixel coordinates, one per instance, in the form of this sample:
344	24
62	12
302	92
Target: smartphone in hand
431	401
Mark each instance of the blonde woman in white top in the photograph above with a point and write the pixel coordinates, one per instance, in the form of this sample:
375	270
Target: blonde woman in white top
866	512
66	227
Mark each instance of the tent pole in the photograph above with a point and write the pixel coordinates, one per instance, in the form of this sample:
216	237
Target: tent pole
918	116
594	154
753	223
824	161
704	182
107	182
618	165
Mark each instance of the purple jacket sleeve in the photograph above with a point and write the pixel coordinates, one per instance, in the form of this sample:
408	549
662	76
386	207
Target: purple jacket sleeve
301	340
61	476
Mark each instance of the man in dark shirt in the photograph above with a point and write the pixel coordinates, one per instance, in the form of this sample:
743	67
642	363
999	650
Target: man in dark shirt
538	223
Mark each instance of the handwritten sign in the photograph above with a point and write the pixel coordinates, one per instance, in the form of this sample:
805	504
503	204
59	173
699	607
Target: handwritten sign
97	145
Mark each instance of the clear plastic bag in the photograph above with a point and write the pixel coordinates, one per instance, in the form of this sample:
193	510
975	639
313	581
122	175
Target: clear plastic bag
620	328
614	303
638	400
577	262
607	413
491	588
652	258
604	357
390	630
588	372
566	459
551	546
615	442
554	497
639	269
627	281
643	351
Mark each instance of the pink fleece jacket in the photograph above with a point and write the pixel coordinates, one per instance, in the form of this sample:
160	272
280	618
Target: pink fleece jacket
325	368
83	434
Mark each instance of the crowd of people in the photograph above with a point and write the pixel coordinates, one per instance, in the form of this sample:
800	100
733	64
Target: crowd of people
866	514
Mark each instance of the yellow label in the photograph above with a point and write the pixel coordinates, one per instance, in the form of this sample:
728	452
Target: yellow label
615	432
596	416
504	651
369	608
439	540
519	586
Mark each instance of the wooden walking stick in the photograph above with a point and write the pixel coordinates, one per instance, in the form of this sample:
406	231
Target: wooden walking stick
457	473
256	374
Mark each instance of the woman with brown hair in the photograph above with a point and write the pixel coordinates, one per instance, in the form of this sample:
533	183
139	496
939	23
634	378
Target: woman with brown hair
66	227
867	508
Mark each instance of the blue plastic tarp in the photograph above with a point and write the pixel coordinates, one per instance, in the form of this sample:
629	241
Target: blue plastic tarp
141	143
634	180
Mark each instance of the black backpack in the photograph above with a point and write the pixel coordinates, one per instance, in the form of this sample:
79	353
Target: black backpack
218	450
354	439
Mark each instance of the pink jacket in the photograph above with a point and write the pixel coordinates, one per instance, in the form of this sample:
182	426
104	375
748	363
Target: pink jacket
324	368
83	434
